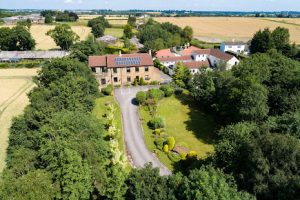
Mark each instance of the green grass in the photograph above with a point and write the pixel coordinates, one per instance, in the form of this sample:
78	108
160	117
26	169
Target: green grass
185	122
77	23
101	109
116	32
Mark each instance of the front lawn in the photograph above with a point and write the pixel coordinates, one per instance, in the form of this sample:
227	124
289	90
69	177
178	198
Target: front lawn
184	121
101	110
116	32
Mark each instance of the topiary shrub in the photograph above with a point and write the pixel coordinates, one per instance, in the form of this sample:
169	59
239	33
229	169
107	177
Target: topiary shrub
141	97
108	90
156	122
168	90
135	82
171	142
183	156
166	148
159	142
142	81
155	94
156	131
192	154
174	157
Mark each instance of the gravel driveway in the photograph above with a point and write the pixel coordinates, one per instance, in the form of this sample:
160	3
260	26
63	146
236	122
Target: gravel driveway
133	132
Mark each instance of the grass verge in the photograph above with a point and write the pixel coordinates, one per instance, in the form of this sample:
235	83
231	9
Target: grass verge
101	109
185	122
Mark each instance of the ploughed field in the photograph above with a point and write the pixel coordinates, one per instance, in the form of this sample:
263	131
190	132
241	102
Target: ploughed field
218	29
14	87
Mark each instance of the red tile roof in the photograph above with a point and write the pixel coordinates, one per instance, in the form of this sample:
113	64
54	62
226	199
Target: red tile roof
215	52
176	59
196	64
109	60
189	50
164	53
97	61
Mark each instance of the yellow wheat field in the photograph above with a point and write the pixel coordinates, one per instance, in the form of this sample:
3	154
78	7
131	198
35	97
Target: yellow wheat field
44	42
216	29
14	86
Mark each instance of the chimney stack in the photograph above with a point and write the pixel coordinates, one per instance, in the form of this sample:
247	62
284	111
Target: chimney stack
120	53
150	52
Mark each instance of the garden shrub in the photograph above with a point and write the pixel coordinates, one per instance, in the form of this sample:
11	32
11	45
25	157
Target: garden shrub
178	91
157	132
171	142
141	97
156	122
183	156
174	157
167	89
154	83
155	94
108	90
159	142
165	70
166	148
142	81
192	154
135	82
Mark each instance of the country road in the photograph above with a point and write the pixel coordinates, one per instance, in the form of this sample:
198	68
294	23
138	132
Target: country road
133	132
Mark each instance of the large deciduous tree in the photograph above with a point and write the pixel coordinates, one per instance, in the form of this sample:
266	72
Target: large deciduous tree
63	36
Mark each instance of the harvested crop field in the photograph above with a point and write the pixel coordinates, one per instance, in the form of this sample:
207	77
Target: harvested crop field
14	86
217	29
45	42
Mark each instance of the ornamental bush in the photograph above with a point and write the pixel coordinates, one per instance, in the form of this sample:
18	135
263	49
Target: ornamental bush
108	90
192	154
168	90
141	97
174	157
156	122
157	132
171	142
159	142
155	94
183	156
166	148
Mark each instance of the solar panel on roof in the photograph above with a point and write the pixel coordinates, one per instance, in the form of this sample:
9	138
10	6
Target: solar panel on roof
128	61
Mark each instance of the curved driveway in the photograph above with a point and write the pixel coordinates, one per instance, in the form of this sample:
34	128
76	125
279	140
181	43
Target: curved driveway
133	132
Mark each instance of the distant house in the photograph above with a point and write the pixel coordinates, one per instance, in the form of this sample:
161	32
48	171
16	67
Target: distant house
34	18
14	56
123	68
195	58
235	47
108	39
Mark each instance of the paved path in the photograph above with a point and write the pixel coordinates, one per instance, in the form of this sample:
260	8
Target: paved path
133	132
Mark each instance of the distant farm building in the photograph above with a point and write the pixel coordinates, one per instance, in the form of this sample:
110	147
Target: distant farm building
236	47
15	56
108	39
34	18
195	58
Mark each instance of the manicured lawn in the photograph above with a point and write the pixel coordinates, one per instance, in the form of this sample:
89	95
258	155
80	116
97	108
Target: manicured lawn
101	109
189	126
116	32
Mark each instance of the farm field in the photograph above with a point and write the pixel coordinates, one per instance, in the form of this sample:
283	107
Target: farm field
189	126
14	86
116	32
45	42
218	29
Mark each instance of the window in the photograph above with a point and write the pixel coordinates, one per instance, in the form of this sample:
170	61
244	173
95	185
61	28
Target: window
115	79
94	69
128	69
128	79
103	81
137	69
147	78
104	69
146	69
239	46
115	70
137	78
229	46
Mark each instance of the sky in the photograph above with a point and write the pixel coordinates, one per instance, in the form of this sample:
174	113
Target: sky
202	5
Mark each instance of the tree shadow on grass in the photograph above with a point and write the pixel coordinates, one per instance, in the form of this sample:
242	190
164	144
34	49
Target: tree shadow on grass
202	124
